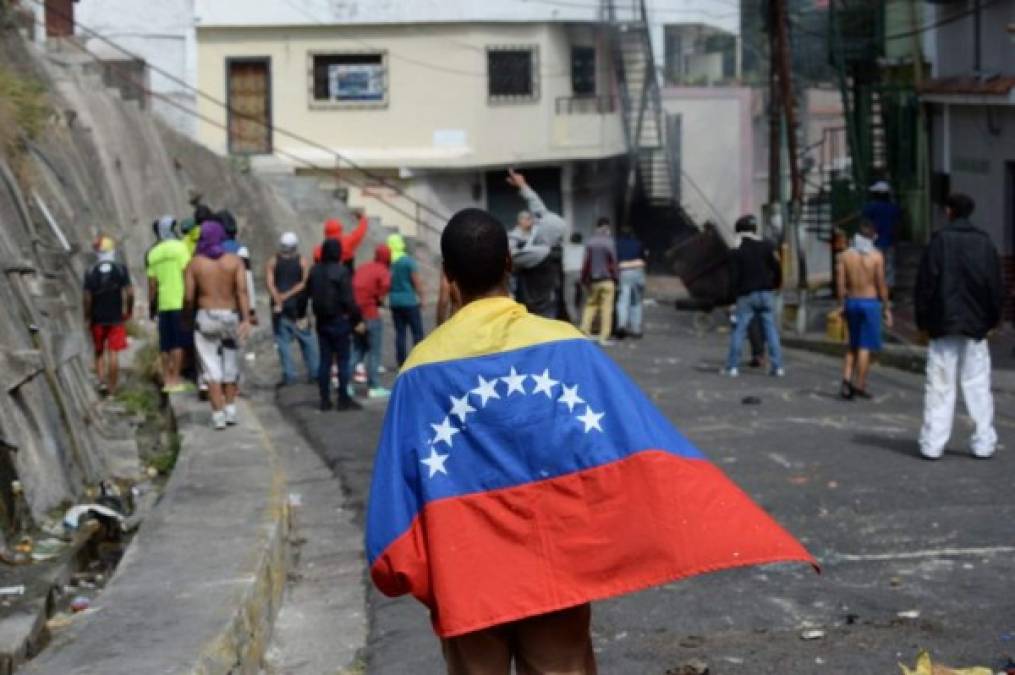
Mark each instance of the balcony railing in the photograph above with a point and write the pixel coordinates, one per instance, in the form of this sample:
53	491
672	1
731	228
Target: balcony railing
586	105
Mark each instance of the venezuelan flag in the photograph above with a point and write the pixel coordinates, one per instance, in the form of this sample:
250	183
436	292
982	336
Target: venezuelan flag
520	471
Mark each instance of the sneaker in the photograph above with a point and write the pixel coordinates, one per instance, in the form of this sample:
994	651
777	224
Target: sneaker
218	420
231	414
348	404
350	390
778	372
729	372
359	376
379	392
326	406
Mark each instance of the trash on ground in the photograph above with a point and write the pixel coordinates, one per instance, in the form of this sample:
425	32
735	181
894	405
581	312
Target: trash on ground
812	634
692	641
692	667
908	614
48	548
72	519
13	590
80	603
924	666
58	621
750	400
799	480
295	500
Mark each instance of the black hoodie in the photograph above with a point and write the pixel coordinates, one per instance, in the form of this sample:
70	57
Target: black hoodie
959	290
330	286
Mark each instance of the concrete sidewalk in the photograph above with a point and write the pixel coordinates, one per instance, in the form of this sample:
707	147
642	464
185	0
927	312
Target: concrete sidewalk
199	587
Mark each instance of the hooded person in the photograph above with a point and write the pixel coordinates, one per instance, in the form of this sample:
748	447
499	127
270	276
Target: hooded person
286	277
338	315
406	297
232	245
537	252
370	285
166	262
334	229
108	302
215	288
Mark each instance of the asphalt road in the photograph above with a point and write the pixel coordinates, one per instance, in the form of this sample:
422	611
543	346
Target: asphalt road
934	541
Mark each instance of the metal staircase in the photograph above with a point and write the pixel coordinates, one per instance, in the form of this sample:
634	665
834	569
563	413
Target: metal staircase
653	163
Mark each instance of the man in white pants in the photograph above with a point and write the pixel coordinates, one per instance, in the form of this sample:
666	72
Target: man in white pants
958	302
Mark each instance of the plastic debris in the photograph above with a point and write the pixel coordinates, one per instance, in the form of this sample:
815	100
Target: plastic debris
58	621
72	519
908	614
48	548
692	667
80	603
924	666
12	590
812	634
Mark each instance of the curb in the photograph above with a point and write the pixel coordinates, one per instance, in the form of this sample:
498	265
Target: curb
198	588
901	357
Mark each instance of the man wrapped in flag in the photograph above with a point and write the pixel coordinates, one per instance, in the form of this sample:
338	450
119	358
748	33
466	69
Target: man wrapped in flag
521	475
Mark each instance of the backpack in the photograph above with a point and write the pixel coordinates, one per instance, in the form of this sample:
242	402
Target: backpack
326	289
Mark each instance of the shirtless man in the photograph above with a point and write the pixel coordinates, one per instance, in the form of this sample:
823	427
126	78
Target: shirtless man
860	274
218	282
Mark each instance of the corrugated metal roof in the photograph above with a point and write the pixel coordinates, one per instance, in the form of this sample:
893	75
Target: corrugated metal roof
999	85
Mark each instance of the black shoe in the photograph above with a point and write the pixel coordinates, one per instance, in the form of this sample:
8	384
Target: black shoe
862	393
326	405
755	362
846	391
348	404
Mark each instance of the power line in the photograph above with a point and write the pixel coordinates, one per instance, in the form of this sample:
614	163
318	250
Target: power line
225	106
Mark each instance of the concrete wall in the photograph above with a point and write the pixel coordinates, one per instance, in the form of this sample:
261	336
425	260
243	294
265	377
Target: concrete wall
437	112
716	152
162	34
980	147
997	48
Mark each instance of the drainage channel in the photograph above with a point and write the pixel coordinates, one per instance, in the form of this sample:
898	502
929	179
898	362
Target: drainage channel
51	571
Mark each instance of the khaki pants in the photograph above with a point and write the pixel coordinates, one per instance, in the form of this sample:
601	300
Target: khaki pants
557	643
600	298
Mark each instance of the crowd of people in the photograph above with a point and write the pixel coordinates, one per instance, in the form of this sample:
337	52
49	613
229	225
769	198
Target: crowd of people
201	296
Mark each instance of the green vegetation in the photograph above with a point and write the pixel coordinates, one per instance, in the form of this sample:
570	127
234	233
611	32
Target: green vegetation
165	459
140	398
147	362
24	109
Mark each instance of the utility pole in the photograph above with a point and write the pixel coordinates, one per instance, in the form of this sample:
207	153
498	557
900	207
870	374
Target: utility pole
787	126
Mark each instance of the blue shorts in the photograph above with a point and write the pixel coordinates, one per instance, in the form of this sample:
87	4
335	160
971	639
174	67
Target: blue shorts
171	332
863	316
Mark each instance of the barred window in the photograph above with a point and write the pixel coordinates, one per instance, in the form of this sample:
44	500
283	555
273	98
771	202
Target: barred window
513	73
583	71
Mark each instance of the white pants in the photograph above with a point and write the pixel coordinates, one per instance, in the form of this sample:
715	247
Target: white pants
215	344
970	360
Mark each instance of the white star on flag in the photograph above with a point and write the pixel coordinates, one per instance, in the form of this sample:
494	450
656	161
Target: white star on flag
591	420
486	390
544	384
444	431
514	382
570	397
460	407
435	462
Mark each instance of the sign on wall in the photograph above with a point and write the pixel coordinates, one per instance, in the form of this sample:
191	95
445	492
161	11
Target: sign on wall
356	82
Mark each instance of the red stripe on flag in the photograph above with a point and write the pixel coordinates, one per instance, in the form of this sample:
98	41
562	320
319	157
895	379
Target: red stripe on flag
653	517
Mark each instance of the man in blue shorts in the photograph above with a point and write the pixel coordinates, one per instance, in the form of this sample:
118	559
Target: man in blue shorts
860	277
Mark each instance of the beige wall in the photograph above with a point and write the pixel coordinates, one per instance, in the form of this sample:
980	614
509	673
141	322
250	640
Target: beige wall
436	77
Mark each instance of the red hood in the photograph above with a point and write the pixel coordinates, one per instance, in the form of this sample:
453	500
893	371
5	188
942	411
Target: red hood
332	228
382	254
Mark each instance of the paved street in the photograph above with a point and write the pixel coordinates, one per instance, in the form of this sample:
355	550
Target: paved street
894	533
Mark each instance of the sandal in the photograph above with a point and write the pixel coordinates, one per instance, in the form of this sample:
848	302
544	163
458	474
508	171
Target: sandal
846	390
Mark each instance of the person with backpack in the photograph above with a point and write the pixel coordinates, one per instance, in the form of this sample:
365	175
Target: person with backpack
108	305
338	316
286	275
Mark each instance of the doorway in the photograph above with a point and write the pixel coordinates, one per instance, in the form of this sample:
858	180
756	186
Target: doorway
503	201
59	18
248	88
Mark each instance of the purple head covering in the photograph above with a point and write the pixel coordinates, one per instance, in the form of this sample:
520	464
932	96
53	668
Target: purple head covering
210	243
